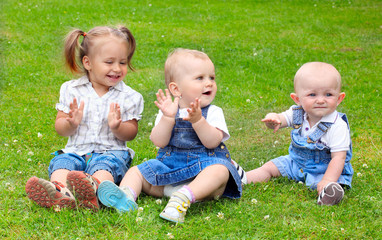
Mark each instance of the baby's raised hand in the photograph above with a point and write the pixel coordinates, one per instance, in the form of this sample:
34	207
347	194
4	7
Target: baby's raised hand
194	112
114	116
272	120
75	113
164	102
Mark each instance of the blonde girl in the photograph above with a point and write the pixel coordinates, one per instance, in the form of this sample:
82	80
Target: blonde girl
98	113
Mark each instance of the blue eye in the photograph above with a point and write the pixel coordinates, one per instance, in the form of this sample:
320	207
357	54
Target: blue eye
329	94
312	95
199	78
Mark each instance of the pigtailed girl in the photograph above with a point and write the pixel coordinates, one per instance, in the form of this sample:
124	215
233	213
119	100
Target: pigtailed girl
99	113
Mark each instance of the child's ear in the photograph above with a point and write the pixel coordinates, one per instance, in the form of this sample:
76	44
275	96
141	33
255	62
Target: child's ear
174	89
86	63
295	98
340	98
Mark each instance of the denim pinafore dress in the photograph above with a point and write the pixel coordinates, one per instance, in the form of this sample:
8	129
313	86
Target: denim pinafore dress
308	157
185	157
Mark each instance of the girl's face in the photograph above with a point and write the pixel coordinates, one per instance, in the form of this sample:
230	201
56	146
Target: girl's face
106	63
195	78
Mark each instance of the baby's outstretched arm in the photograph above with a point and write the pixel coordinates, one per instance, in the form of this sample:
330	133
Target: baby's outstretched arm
274	121
210	136
161	133
67	124
124	131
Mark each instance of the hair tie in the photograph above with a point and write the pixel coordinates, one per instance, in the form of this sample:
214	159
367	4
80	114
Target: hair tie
84	34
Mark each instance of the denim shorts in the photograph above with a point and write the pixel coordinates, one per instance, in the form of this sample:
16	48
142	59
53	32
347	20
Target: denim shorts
310	173
174	166
116	162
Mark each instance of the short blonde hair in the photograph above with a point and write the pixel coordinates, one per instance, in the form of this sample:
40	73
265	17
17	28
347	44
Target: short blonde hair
316	66
174	60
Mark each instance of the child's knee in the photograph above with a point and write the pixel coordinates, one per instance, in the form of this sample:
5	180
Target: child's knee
271	169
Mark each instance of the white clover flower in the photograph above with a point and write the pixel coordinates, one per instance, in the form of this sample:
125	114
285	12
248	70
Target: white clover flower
6	144
342	230
254	201
29	160
170	236
276	142
220	215
150	124
15	141
57	208
158	201
365	165
248	100
18	151
300	182
140	209
359	174
139	219
30	153
207	218
266	217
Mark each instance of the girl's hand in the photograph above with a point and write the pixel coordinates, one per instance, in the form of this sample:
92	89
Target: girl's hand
272	120
164	102
75	113
194	112
114	116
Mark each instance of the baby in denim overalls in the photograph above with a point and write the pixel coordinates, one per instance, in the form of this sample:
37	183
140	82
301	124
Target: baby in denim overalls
320	151
190	133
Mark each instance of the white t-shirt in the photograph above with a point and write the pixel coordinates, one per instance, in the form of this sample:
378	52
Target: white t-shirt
337	138
215	118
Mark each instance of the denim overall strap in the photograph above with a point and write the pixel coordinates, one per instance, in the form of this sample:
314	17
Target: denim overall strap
298	116
321	129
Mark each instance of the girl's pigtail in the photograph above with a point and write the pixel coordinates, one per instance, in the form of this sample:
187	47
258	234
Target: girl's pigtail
131	41
71	50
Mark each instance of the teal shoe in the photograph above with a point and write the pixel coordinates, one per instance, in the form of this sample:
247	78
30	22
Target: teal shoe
111	195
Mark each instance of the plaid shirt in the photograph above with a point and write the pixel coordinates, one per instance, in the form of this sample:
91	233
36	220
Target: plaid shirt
93	134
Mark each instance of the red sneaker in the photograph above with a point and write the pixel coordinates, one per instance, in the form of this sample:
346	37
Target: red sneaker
84	188
48	194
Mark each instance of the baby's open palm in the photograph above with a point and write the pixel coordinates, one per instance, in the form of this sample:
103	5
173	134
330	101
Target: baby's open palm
164	102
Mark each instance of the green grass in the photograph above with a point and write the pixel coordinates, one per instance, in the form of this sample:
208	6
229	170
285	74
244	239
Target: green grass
256	46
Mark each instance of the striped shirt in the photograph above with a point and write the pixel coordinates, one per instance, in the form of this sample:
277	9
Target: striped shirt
93	134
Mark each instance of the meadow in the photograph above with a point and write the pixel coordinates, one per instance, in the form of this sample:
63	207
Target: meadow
256	46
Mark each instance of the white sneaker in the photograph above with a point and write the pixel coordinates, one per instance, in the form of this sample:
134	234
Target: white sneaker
241	172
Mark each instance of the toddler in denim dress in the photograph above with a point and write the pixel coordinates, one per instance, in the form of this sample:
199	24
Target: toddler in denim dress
190	133
99	113
320	149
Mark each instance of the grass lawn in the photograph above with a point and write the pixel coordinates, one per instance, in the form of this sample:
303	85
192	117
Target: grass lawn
257	46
